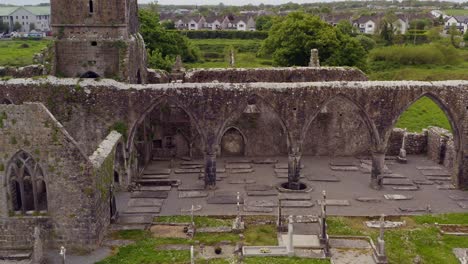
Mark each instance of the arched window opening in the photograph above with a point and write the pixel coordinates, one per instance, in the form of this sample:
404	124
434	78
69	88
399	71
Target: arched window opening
438	141
139	81
91	6
27	188
90	75
116	177
232	143
6	101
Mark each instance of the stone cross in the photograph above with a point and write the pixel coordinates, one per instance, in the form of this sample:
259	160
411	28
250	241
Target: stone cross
192	255
38	253
192	209
290	245
380	240
63	252
231	59
238	205
178	66
314	58
402	154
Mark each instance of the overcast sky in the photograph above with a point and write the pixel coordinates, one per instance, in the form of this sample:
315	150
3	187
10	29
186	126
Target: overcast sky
190	2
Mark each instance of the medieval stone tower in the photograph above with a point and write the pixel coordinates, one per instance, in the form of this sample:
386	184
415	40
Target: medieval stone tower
98	38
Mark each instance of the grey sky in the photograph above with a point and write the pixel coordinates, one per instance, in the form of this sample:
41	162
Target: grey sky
192	2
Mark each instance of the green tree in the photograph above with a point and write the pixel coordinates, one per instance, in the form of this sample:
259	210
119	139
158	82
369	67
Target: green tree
164	45
168	24
465	37
17	26
387	33
264	23
291	39
454	33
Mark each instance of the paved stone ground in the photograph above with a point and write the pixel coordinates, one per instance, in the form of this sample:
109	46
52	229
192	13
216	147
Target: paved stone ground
351	185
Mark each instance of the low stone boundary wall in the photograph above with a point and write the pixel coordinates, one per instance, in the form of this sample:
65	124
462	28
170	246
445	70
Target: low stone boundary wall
22	72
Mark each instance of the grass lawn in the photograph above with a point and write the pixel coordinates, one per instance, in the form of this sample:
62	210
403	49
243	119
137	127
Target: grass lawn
456	12
420	237
422	73
20	52
215	53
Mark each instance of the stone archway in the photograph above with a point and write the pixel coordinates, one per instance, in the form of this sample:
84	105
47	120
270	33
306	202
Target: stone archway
233	143
90	75
6	101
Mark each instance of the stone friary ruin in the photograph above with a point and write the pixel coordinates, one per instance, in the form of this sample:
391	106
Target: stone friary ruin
69	141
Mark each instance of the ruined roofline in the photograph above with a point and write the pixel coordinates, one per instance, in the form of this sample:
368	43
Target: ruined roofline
56	123
105	149
112	84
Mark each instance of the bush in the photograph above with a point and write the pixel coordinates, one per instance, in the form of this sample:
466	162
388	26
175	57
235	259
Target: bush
24	46
434	54
223	34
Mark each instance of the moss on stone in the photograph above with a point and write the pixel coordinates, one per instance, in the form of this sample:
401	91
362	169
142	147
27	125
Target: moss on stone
120	127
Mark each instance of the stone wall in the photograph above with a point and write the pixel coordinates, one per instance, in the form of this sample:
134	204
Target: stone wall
296	74
416	143
74	203
22	72
440	146
17	233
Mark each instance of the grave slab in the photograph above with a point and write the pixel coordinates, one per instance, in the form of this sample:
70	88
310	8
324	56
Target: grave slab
155	188
135	219
143	210
241	171
302	241
187	167
242	181
334	202
281	171
294	196
393	176
238	166
265	161
258	209
414	209
428	168
369	199
192	163
349	243
218	229
262	193
341	163
192	187
284	166
463	204
223	199
446	187
406	188
258	187
387	224
196	208
343	168
435	173
437	178
158	195
423	182
403	182
154	176
192	194
460	253
239	161
260	203
157	171
397	197
459	197
284	175
296	204
323	178
144	202
187	171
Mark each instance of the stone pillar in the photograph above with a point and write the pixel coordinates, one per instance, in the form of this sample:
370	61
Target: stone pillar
290	246
378	163
314	58
210	170
294	170
38	248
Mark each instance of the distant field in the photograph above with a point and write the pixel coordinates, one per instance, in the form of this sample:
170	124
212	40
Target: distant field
456	12
422	73
215	51
20	52
421	114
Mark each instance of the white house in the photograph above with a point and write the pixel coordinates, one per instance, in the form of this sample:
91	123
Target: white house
460	22
29	18
212	23
366	24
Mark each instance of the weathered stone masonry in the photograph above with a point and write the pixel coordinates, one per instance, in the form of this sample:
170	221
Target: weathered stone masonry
211	108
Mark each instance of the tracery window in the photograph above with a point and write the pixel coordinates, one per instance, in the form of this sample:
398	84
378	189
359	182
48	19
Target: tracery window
27	186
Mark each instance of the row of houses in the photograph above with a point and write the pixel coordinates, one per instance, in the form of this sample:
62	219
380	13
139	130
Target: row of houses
370	24
460	23
27	17
242	23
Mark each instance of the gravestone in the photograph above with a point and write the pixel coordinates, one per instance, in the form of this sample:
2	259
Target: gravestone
192	194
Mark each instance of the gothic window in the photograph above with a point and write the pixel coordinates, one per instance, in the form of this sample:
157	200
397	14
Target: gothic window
91	6
27	186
